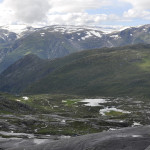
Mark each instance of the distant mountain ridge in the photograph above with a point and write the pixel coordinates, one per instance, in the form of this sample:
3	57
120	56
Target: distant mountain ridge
58	41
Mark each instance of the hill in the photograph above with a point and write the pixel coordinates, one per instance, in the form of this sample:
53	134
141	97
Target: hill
101	72
106	72
22	73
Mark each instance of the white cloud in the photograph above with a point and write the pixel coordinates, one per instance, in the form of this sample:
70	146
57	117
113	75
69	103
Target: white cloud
136	13
48	12
51	11
63	6
140	9
80	19
6	16
139	4
28	10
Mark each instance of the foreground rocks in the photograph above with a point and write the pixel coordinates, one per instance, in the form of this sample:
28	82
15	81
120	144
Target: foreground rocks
137	138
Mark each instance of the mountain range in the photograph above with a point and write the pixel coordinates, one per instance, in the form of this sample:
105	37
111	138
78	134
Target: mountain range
58	41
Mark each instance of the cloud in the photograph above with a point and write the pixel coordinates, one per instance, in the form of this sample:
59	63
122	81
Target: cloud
136	13
140	9
51	11
80	19
28	10
74	12
139	4
66	6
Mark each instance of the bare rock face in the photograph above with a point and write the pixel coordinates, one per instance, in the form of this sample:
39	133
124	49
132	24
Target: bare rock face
137	138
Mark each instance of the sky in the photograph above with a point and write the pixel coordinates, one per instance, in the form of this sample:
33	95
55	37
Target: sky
75	12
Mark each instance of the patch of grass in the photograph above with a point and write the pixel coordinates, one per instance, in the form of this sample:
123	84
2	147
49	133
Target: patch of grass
7	136
114	113
27	53
145	65
73	128
71	102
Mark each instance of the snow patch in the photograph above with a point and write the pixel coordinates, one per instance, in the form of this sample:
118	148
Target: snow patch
88	34
18	100
115	36
63	121
83	38
136	136
65	137
56	106
42	34
96	34
93	102
6	34
112	129
25	98
56	30
136	124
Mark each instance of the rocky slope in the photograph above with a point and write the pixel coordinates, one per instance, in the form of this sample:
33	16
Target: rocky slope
126	139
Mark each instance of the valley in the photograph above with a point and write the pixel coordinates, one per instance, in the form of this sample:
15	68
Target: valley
74	75
77	93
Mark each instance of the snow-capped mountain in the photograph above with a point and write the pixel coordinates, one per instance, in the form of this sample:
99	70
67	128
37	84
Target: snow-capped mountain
18	29
56	41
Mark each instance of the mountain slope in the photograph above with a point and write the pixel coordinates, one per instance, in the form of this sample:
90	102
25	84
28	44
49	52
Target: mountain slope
27	70
107	72
9	105
21	73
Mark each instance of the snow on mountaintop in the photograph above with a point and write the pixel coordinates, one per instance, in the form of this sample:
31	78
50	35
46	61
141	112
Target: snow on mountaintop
15	28
18	29
69	29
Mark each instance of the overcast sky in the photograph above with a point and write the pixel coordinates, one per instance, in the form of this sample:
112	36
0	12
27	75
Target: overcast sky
75	12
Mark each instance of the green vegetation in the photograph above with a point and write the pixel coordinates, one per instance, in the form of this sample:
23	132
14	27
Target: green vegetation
145	65
118	71
9	104
114	113
71	101
106	72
